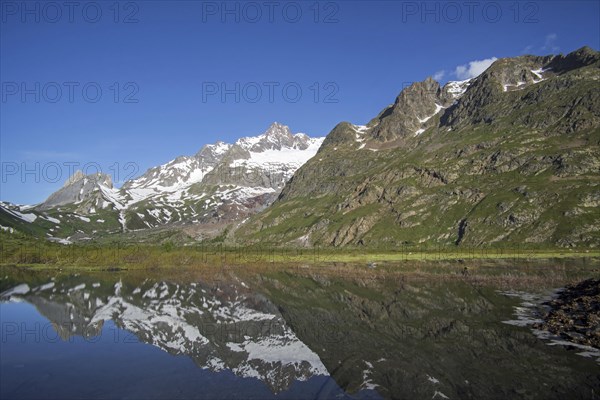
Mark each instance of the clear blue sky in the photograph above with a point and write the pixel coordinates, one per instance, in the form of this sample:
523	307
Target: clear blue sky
175	52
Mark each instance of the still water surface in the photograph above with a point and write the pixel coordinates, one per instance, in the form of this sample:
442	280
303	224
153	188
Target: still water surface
297	334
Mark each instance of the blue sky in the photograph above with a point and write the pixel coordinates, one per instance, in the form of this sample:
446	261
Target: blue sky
161	67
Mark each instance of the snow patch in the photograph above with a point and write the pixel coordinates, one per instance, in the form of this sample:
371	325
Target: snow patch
19	289
25	217
7	229
78	287
458	88
84	219
287	155
46	286
438	108
54	220
539	74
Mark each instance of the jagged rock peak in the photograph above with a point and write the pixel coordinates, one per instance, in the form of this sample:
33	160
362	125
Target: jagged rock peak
414	106
99	177
278	130
213	152
276	137
79	188
576	59
77	176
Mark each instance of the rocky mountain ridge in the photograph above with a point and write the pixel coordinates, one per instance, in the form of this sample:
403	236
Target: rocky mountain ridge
511	156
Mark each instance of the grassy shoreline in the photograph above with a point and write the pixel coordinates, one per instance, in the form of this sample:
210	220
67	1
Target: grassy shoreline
502	274
129	259
15	250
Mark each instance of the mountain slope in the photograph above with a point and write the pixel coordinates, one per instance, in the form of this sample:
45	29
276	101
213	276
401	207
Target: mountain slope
510	157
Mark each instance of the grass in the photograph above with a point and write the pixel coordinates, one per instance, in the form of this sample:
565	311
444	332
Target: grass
22	250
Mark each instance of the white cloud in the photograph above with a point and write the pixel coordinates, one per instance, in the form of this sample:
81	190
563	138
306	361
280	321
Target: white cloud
549	44
473	69
527	49
439	75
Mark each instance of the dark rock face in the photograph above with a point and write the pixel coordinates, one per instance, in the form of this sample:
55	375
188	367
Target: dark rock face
575	314
417	102
580	58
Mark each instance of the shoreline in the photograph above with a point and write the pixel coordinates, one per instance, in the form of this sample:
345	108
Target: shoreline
174	259
135	256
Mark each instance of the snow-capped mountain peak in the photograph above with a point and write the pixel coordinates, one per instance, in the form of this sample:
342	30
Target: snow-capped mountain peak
222	182
276	137
278	130
185	171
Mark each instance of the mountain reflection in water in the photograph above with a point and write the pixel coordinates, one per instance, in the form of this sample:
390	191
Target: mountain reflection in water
279	334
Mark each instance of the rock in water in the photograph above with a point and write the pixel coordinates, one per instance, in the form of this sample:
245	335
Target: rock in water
575	314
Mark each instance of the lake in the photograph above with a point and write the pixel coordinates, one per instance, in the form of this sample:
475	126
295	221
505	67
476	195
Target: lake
303	332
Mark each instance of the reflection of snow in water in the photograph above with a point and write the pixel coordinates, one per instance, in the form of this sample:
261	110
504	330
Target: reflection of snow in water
528	313
437	393
368	382
20	289
187	320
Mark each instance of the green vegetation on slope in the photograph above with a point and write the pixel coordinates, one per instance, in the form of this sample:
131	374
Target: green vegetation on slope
497	168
